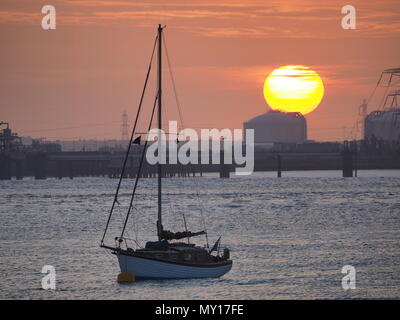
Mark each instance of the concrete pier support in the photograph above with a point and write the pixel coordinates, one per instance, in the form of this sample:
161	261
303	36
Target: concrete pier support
39	166
5	167
224	172
347	160
60	167
223	168
18	169
279	166
71	169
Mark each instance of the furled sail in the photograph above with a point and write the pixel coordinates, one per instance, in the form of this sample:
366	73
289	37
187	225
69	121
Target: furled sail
169	235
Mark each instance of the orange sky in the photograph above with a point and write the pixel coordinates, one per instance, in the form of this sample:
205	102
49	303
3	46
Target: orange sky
75	81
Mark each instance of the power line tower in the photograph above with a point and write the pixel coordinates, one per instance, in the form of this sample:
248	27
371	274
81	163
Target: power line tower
124	127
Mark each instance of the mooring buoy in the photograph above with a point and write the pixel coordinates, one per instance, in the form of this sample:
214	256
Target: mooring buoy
126	277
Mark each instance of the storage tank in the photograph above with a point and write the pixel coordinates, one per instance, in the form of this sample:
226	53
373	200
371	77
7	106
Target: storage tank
383	125
276	126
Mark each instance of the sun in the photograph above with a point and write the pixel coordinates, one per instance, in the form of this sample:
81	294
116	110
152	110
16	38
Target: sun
293	89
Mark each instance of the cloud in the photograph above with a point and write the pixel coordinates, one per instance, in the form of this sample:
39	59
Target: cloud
341	75
7	17
233	19
167	14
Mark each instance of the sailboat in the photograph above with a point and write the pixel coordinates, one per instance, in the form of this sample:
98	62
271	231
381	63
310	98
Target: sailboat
167	257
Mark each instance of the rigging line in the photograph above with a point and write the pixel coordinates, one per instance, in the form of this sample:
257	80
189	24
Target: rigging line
173	82
181	121
122	216
139	169
182	124
382	105
135	230
130	141
377	85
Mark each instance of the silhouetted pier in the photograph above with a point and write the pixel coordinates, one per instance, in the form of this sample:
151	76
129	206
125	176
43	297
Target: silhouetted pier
41	165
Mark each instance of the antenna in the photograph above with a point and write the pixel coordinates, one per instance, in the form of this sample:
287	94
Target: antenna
124	127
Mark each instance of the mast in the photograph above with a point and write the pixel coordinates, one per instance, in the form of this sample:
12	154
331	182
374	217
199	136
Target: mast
159	169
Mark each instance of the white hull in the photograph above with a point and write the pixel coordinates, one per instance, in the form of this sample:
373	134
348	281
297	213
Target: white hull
152	269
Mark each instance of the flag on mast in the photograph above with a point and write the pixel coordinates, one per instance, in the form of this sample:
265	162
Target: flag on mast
216	245
136	141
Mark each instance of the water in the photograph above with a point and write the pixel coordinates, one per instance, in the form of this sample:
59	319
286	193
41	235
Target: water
289	237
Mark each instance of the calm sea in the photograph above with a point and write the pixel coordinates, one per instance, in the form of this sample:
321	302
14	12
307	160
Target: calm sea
289	237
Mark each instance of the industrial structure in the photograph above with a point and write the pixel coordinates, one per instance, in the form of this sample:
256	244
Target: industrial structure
383	123
9	140
278	127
